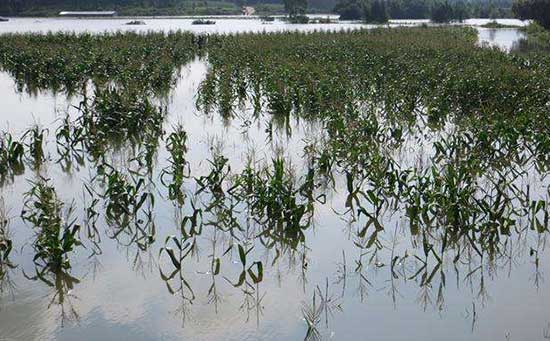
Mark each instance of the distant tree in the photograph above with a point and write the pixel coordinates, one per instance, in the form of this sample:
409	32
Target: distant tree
349	10
375	11
460	11
379	12
538	10
371	11
295	8
442	12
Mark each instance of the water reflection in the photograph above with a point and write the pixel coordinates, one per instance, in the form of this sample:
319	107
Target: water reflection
505	39
7	286
62	284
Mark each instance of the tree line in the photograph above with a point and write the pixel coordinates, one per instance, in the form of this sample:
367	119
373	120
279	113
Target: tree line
378	11
436	10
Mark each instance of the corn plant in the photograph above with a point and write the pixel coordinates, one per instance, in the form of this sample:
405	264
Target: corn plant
57	234
35	144
178	168
11	156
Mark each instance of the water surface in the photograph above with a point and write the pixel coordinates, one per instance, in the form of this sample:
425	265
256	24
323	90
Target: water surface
119	293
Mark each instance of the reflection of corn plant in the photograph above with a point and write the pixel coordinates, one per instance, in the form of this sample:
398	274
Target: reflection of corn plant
312	317
6	284
56	236
62	283
177	253
5	241
90	220
256	276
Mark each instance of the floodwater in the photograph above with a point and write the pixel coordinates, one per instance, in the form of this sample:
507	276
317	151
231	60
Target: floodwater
503	38
119	293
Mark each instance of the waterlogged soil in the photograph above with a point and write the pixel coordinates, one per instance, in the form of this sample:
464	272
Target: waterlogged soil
326	288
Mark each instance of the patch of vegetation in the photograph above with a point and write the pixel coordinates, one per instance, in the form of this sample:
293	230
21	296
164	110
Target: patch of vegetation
370	11
136	23
326	20
67	61
495	25
383	87
203	22
298	19
536	41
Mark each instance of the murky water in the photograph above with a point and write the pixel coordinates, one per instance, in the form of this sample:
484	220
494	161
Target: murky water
119	293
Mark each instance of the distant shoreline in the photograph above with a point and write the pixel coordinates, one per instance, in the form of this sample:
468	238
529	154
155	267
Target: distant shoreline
175	17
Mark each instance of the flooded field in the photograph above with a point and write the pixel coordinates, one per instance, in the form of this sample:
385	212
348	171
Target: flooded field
375	184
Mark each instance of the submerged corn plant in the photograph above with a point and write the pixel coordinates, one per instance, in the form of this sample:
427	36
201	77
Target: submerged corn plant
57	233
128	206
283	209
111	119
67	61
71	142
124	197
11	157
178	169
34	138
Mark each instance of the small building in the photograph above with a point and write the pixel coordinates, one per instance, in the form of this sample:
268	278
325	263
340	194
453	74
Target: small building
88	14
248	10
